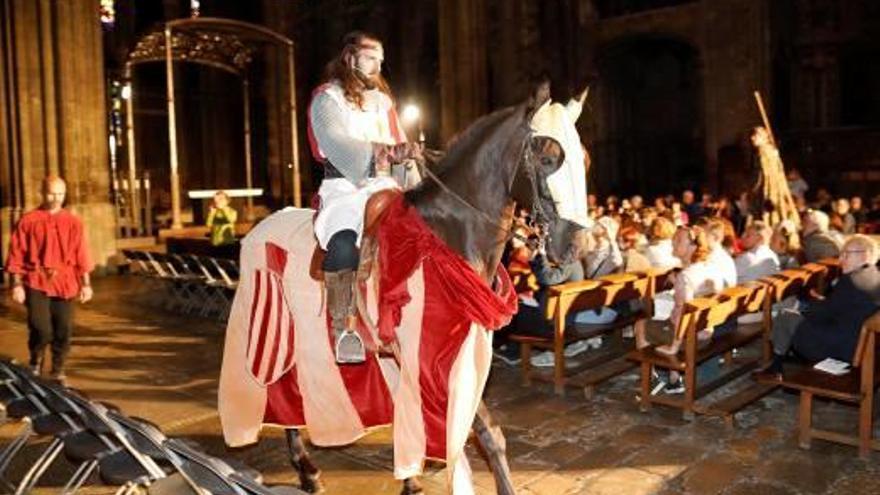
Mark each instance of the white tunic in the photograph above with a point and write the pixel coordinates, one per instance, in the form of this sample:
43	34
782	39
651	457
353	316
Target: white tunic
344	135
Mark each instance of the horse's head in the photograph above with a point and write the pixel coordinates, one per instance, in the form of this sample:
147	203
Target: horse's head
550	180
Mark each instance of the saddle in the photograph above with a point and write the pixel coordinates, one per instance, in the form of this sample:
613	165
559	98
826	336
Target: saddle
374	212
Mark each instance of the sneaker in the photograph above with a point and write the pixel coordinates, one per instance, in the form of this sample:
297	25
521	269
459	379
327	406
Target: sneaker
543	360
576	348
674	388
35	369
659	385
595	342
507	355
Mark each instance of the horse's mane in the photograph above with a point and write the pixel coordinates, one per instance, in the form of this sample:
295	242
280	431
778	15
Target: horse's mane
473	140
471	144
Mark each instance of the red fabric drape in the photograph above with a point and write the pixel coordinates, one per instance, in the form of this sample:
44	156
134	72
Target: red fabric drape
405	240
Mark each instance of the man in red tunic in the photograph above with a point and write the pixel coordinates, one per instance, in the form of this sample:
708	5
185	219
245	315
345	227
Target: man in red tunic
50	264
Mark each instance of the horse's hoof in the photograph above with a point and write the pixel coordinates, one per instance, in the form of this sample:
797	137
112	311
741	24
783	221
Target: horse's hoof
411	487
311	484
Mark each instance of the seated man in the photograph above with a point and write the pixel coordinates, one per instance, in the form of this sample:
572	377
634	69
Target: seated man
831	328
758	260
817	243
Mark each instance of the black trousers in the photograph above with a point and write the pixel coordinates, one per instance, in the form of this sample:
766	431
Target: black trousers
49	323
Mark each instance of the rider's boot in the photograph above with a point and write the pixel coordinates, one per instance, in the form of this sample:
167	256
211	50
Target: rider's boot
348	345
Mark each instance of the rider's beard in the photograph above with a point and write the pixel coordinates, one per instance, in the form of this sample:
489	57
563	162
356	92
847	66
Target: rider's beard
367	80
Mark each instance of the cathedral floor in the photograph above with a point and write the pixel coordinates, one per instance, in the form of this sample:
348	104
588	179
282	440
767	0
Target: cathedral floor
165	368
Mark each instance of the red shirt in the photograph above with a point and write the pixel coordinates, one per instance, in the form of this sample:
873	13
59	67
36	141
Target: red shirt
49	251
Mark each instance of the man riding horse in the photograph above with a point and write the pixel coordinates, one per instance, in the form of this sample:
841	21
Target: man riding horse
355	133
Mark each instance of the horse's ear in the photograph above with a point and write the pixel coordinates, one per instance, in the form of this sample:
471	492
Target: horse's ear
540	94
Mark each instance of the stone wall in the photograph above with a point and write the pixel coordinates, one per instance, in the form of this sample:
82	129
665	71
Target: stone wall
53	116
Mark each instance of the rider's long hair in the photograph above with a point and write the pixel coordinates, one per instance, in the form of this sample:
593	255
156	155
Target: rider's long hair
339	69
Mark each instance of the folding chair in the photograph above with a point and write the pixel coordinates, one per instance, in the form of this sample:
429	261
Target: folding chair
218	477
219	284
148	439
178	285
44	415
104	446
229	272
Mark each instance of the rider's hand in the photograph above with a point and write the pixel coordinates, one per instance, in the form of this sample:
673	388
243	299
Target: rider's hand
18	294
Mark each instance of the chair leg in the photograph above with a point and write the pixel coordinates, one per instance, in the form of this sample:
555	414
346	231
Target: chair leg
690	391
39	467
866	425
79	477
805	420
525	356
645	403
15	446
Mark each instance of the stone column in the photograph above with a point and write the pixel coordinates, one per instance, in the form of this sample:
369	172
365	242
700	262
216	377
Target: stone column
463	66
53	67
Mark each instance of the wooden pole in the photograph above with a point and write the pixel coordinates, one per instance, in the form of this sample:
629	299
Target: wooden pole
760	102
248	160
294	138
176	222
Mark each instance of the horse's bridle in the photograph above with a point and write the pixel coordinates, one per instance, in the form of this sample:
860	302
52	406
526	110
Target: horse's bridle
540	219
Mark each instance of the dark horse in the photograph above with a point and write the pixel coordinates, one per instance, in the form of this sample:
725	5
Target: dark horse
493	167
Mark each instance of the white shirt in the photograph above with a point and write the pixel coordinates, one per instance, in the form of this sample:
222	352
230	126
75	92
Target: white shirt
758	262
723	264
660	254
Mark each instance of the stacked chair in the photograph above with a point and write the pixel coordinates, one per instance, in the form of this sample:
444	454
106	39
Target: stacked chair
129	453
186	283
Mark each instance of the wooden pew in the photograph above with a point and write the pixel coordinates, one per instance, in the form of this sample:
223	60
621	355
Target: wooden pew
700	314
570	298
856	387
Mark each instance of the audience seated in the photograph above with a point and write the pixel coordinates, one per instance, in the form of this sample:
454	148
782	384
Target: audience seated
830	328
757	260
698	278
817	243
659	250
719	258
531	320
605	256
786	243
633	259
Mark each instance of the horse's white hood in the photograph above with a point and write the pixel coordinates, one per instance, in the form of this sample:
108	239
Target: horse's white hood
568	185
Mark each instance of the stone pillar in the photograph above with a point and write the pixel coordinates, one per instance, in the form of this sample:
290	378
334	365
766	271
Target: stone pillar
463	66
53	65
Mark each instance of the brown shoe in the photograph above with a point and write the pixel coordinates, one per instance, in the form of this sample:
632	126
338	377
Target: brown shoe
58	376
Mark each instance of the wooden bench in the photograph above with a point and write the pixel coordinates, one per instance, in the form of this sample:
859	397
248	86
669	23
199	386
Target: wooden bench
570	298
856	387
700	314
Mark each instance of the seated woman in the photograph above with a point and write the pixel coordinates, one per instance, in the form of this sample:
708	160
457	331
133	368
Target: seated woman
696	279
221	220
530	319
659	250
605	258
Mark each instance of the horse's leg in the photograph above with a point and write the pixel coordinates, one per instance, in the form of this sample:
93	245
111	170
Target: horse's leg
492	441
299	458
411	486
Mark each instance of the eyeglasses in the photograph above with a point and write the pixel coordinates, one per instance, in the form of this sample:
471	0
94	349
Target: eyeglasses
851	251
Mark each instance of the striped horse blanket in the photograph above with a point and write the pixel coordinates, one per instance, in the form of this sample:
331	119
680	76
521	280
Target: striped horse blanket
278	363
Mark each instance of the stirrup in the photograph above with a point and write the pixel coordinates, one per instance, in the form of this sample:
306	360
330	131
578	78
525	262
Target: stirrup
350	348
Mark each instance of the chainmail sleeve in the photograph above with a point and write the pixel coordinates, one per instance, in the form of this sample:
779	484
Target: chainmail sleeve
348	155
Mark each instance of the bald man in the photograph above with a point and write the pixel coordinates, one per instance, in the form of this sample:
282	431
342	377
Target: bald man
50	264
